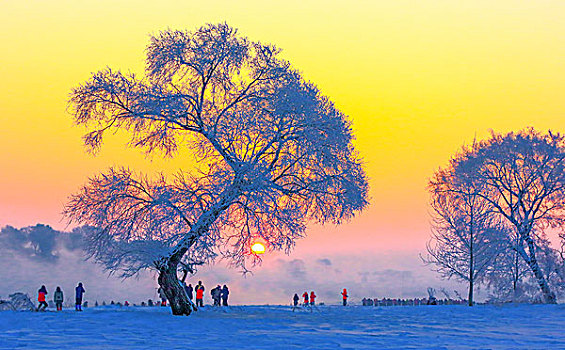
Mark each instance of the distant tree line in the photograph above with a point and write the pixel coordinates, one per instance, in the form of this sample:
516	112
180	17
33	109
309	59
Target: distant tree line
492	208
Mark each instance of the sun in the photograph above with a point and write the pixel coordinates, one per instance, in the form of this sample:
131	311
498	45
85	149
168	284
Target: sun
258	248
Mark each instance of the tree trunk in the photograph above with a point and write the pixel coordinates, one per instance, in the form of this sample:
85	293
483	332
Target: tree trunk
471	285
471	293
516	277
176	295
548	295
168	279
471	265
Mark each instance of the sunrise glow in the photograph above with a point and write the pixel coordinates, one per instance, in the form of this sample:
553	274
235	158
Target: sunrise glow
418	79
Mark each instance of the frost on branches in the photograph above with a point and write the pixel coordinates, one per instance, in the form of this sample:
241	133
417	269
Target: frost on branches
273	154
467	237
521	178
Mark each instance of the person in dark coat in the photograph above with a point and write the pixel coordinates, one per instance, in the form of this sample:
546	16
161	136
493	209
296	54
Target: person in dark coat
58	298
216	293
78	295
295	299
41	293
189	291
224	294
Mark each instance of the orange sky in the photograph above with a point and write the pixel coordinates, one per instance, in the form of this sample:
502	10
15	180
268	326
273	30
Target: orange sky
418	78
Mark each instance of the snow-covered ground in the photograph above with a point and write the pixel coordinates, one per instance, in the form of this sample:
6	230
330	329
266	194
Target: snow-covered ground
277	327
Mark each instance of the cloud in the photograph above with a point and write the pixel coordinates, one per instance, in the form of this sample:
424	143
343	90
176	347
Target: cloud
325	262
296	268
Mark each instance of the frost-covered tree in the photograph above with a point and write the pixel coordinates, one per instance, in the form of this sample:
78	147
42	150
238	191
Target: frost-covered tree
522	176
466	235
272	154
512	279
508	279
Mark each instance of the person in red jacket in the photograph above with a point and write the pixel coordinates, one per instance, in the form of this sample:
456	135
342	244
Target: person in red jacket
312	298
305	296
344	294
41	293
199	294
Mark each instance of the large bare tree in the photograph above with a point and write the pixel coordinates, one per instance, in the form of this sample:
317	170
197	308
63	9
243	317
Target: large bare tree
272	154
522	176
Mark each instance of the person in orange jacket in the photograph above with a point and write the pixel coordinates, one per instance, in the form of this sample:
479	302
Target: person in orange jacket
305	296
312	298
41	293
344	294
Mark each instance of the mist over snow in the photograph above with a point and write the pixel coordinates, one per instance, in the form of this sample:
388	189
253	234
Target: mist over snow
38	255
279	277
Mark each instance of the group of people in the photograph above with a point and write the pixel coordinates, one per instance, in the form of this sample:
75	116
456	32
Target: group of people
310	299
58	298
219	294
411	302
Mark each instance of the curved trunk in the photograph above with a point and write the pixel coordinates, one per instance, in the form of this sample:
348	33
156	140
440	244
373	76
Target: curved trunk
176	295
168	279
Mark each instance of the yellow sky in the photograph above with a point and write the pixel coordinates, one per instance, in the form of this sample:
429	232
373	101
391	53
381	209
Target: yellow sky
418	78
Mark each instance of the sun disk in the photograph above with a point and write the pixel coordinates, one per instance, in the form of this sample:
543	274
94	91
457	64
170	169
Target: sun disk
258	248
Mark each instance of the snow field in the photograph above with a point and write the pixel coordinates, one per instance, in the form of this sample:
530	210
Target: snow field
277	327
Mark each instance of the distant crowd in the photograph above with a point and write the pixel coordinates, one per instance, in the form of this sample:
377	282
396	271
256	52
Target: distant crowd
219	294
220	297
411	302
310	299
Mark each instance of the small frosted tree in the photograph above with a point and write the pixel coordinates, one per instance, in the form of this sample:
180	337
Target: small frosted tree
272	154
511	279
466	235
508	279
522	176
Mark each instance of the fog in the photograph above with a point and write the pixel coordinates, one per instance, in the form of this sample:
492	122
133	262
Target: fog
38	255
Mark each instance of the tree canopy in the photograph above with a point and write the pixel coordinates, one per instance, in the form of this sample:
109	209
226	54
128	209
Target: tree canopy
273	153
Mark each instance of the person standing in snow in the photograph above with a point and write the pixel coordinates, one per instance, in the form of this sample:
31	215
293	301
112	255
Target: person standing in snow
305	296
78	296
163	296
58	298
344	294
312	298
213	295
41	293
295	300
225	293
216	293
189	291
199	294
